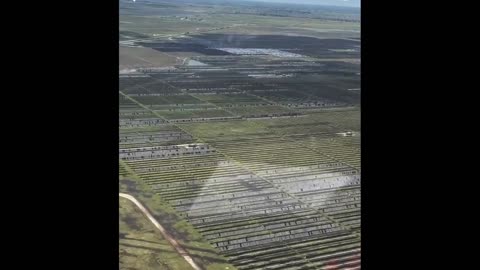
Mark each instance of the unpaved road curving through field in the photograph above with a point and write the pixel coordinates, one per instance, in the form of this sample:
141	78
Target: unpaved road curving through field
172	241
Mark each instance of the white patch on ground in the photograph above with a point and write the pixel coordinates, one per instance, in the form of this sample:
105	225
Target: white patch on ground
343	50
195	63
128	71
157	69
348	134
260	51
308	178
270	75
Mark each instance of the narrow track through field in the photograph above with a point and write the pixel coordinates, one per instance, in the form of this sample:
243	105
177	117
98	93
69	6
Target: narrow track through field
181	251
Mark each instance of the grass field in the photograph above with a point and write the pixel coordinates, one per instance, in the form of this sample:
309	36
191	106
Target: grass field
144	57
186	114
213	23
141	245
165	22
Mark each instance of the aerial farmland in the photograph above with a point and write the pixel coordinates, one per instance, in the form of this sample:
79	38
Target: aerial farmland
239	134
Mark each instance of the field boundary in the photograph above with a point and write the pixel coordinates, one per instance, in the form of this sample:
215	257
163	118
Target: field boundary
180	250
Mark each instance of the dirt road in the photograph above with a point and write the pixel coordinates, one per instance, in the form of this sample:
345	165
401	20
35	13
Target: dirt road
172	241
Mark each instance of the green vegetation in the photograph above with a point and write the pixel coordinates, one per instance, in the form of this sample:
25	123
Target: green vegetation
144	57
141	245
186	114
230	99
200	250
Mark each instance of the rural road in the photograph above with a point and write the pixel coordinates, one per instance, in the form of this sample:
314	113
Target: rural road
172	241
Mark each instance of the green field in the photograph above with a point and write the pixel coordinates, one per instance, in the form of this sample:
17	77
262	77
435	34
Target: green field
141	245
162	27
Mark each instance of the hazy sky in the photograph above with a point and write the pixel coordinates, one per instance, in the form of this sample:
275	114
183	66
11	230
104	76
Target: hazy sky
346	3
